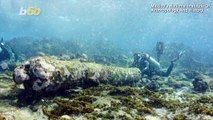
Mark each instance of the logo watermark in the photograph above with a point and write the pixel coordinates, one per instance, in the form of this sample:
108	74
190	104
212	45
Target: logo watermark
30	11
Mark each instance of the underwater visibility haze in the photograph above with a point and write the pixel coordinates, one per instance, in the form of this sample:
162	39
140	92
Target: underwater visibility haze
106	59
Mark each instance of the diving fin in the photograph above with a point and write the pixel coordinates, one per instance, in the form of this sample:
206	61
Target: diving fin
179	55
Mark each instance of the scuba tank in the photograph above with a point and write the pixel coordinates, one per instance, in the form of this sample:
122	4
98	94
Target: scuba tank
153	63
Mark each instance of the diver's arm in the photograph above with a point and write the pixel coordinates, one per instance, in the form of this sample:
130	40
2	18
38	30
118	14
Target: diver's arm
5	48
133	64
146	66
8	51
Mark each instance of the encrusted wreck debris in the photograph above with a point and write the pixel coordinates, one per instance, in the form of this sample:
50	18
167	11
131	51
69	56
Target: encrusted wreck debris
46	74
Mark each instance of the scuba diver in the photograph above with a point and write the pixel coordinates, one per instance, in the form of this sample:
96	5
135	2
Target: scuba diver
149	66
7	56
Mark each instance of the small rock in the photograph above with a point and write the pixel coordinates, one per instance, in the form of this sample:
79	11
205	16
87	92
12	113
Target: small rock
66	117
199	84
153	86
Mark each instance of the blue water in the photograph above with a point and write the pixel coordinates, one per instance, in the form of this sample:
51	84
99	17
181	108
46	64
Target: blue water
129	24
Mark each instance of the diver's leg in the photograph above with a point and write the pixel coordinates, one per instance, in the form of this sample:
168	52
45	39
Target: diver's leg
168	71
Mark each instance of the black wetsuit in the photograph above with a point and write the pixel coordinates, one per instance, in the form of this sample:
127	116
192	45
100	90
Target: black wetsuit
8	56
4	54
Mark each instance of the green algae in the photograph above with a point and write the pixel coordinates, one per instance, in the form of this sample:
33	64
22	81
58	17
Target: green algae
140	118
123	91
180	117
135	103
157	101
205	99
67	107
177	84
79	105
188	97
86	98
78	69
90	116
91	91
108	115
66	119
198	108
126	99
7	75
199	105
83	104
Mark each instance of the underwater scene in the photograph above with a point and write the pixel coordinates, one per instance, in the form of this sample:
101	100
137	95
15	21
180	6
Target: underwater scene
106	60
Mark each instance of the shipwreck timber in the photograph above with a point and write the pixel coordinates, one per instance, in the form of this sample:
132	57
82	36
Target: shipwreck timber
44	74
